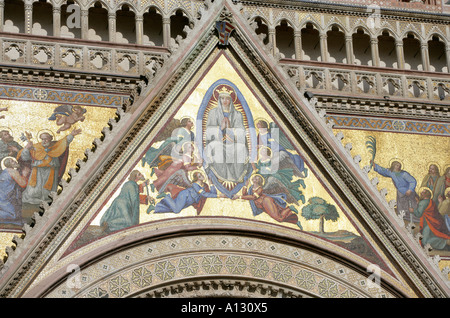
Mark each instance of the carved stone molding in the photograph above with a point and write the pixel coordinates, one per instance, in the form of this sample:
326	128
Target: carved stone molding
222	288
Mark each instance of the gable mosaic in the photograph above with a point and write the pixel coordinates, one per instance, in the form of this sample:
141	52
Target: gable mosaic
222	153
414	168
39	144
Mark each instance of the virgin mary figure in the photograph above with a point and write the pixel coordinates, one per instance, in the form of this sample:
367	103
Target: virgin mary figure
226	140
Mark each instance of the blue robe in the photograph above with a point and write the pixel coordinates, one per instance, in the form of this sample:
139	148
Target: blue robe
184	199
403	182
10	200
124	210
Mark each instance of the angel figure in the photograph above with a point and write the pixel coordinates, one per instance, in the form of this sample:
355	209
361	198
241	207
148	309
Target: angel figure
170	141
184	193
167	163
275	205
269	135
278	171
67	115
4	109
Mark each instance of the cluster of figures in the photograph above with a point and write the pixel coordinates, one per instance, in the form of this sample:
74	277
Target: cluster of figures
30	173
229	155
428	207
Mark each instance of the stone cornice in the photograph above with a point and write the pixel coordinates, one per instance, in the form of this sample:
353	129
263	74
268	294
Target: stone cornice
349	9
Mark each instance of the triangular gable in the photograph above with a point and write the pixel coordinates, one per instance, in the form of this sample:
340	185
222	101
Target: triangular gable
300	185
167	98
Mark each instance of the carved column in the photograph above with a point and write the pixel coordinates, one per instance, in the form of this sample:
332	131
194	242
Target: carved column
448	57
139	29
349	49
56	21
84	23
272	40
166	31
425	56
298	45
400	55
28	17
2	15
375	54
112	26
324	47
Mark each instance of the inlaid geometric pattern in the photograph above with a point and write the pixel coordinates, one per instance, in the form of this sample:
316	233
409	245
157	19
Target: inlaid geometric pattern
154	264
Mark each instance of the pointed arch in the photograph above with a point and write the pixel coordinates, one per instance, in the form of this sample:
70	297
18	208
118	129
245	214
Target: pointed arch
337	50
125	23
98	26
361	38
155	5
412	48
387	48
284	35
310	20
153	28
130	5
105	4
311	45
437	51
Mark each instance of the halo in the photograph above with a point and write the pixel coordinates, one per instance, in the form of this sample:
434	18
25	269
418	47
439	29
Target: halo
191	174
436	164
48	131
257	174
262	147
446	192
261	119
188	142
426	188
445	169
399	160
3	162
6	128
188	117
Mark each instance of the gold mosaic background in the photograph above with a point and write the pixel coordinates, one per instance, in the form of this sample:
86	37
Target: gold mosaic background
33	117
236	208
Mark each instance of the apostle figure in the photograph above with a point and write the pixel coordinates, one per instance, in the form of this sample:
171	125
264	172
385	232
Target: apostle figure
124	210
48	162
432	224
431	181
444	203
405	184
443	184
12	184
8	146
226	152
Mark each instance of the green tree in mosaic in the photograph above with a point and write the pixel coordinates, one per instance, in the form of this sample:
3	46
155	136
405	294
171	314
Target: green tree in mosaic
318	208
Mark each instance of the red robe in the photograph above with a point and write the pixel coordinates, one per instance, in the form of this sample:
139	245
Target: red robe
435	221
